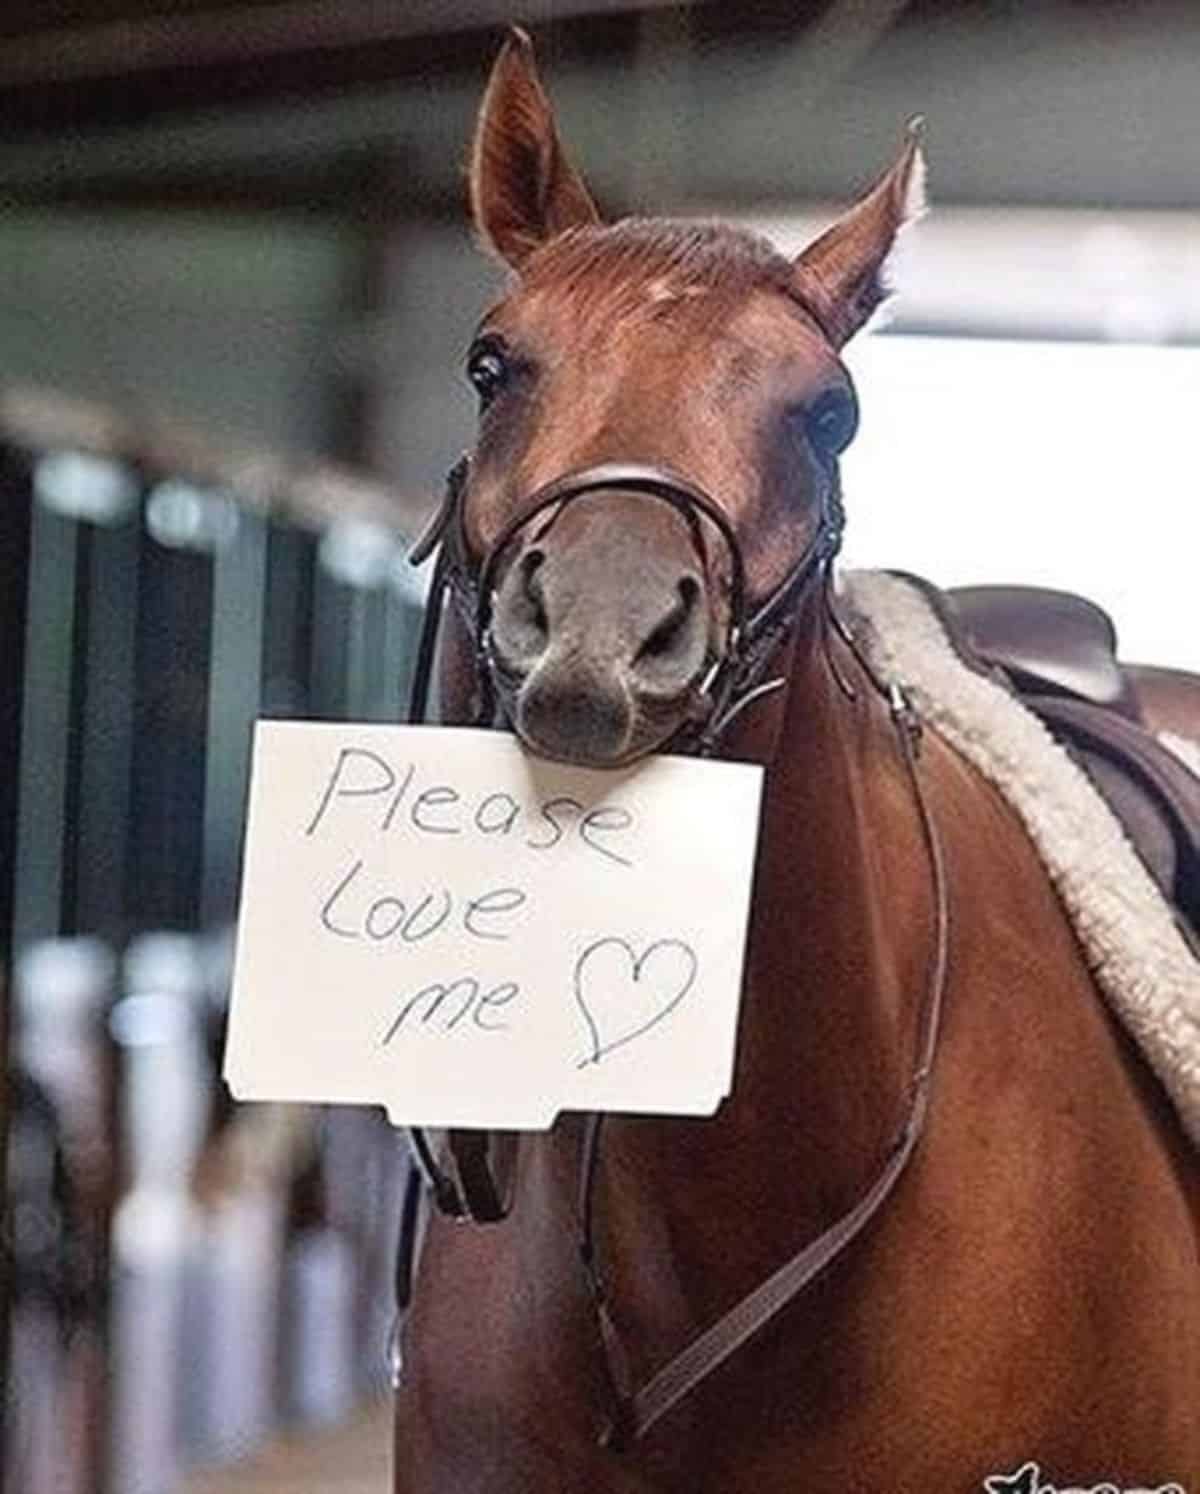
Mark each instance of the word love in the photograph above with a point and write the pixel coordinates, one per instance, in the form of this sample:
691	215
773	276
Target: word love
352	912
1028	1480
397	798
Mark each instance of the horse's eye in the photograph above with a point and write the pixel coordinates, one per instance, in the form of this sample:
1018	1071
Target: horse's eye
830	422
487	369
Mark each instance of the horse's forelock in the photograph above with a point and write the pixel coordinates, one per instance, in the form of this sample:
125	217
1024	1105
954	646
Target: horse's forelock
641	263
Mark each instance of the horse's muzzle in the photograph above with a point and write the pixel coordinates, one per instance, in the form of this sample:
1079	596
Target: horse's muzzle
601	629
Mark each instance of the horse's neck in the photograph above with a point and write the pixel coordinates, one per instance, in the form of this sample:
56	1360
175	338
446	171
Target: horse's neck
841	934
1036	1107
842	941
834	970
837	966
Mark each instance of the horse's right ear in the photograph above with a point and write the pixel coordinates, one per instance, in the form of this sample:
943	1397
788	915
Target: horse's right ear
524	191
844	273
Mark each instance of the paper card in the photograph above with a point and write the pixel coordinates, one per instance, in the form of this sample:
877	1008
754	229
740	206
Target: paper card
436	921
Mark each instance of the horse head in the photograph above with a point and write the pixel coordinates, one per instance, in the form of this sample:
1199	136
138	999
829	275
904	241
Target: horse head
662	408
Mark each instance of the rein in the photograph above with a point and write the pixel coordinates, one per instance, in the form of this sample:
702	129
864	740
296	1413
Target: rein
637	1409
731	682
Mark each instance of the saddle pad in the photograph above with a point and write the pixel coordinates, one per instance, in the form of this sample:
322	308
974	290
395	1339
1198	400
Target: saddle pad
1128	931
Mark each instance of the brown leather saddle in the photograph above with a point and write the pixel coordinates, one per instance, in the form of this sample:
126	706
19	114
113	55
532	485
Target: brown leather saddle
1058	652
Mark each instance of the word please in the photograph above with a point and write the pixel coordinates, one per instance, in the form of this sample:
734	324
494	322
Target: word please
397	799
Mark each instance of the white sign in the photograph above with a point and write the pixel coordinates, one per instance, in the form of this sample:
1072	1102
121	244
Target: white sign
435	921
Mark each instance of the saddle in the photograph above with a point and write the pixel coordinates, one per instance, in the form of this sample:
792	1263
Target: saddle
1058	653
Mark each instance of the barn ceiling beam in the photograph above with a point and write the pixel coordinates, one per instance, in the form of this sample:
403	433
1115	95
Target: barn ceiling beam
153	43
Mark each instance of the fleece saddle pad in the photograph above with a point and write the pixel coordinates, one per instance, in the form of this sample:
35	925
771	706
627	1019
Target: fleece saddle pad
1128	931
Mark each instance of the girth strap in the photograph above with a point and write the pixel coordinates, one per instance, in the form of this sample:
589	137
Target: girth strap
637	1410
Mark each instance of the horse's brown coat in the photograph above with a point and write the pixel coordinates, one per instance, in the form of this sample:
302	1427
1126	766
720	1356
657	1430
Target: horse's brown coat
1033	1290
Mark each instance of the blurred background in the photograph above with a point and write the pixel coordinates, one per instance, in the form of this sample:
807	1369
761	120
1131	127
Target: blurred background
236	284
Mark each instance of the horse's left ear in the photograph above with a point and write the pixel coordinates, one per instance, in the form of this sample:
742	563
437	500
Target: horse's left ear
524	190
843	273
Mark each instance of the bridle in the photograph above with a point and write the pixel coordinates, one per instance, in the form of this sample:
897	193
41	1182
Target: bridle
731	681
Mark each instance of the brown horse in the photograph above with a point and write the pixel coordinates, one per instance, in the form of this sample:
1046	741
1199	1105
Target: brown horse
1029	1293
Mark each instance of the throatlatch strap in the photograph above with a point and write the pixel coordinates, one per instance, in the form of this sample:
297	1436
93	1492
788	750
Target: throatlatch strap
431	625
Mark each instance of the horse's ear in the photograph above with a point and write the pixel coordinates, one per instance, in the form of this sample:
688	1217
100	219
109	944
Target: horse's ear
843	274
524	191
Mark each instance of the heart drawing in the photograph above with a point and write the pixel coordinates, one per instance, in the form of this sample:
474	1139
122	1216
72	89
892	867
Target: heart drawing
623	994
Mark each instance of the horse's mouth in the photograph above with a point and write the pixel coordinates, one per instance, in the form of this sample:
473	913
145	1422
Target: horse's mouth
589	723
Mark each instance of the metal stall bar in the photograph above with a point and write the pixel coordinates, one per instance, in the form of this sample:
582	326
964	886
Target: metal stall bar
14	594
101	870
234	696
47	741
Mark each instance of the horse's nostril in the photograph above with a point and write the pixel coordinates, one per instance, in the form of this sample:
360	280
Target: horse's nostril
531	589
520	617
659	642
669	633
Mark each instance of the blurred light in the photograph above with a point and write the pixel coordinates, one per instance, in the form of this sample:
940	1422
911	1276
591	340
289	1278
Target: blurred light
1060	464
150	1021
180	515
1112	252
164	962
358	553
1117	265
80	485
1136	317
62	981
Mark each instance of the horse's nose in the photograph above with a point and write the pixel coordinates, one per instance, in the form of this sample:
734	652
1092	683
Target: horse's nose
625	609
599	631
653	637
590	676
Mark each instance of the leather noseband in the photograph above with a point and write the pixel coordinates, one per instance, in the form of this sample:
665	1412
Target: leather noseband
730	678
